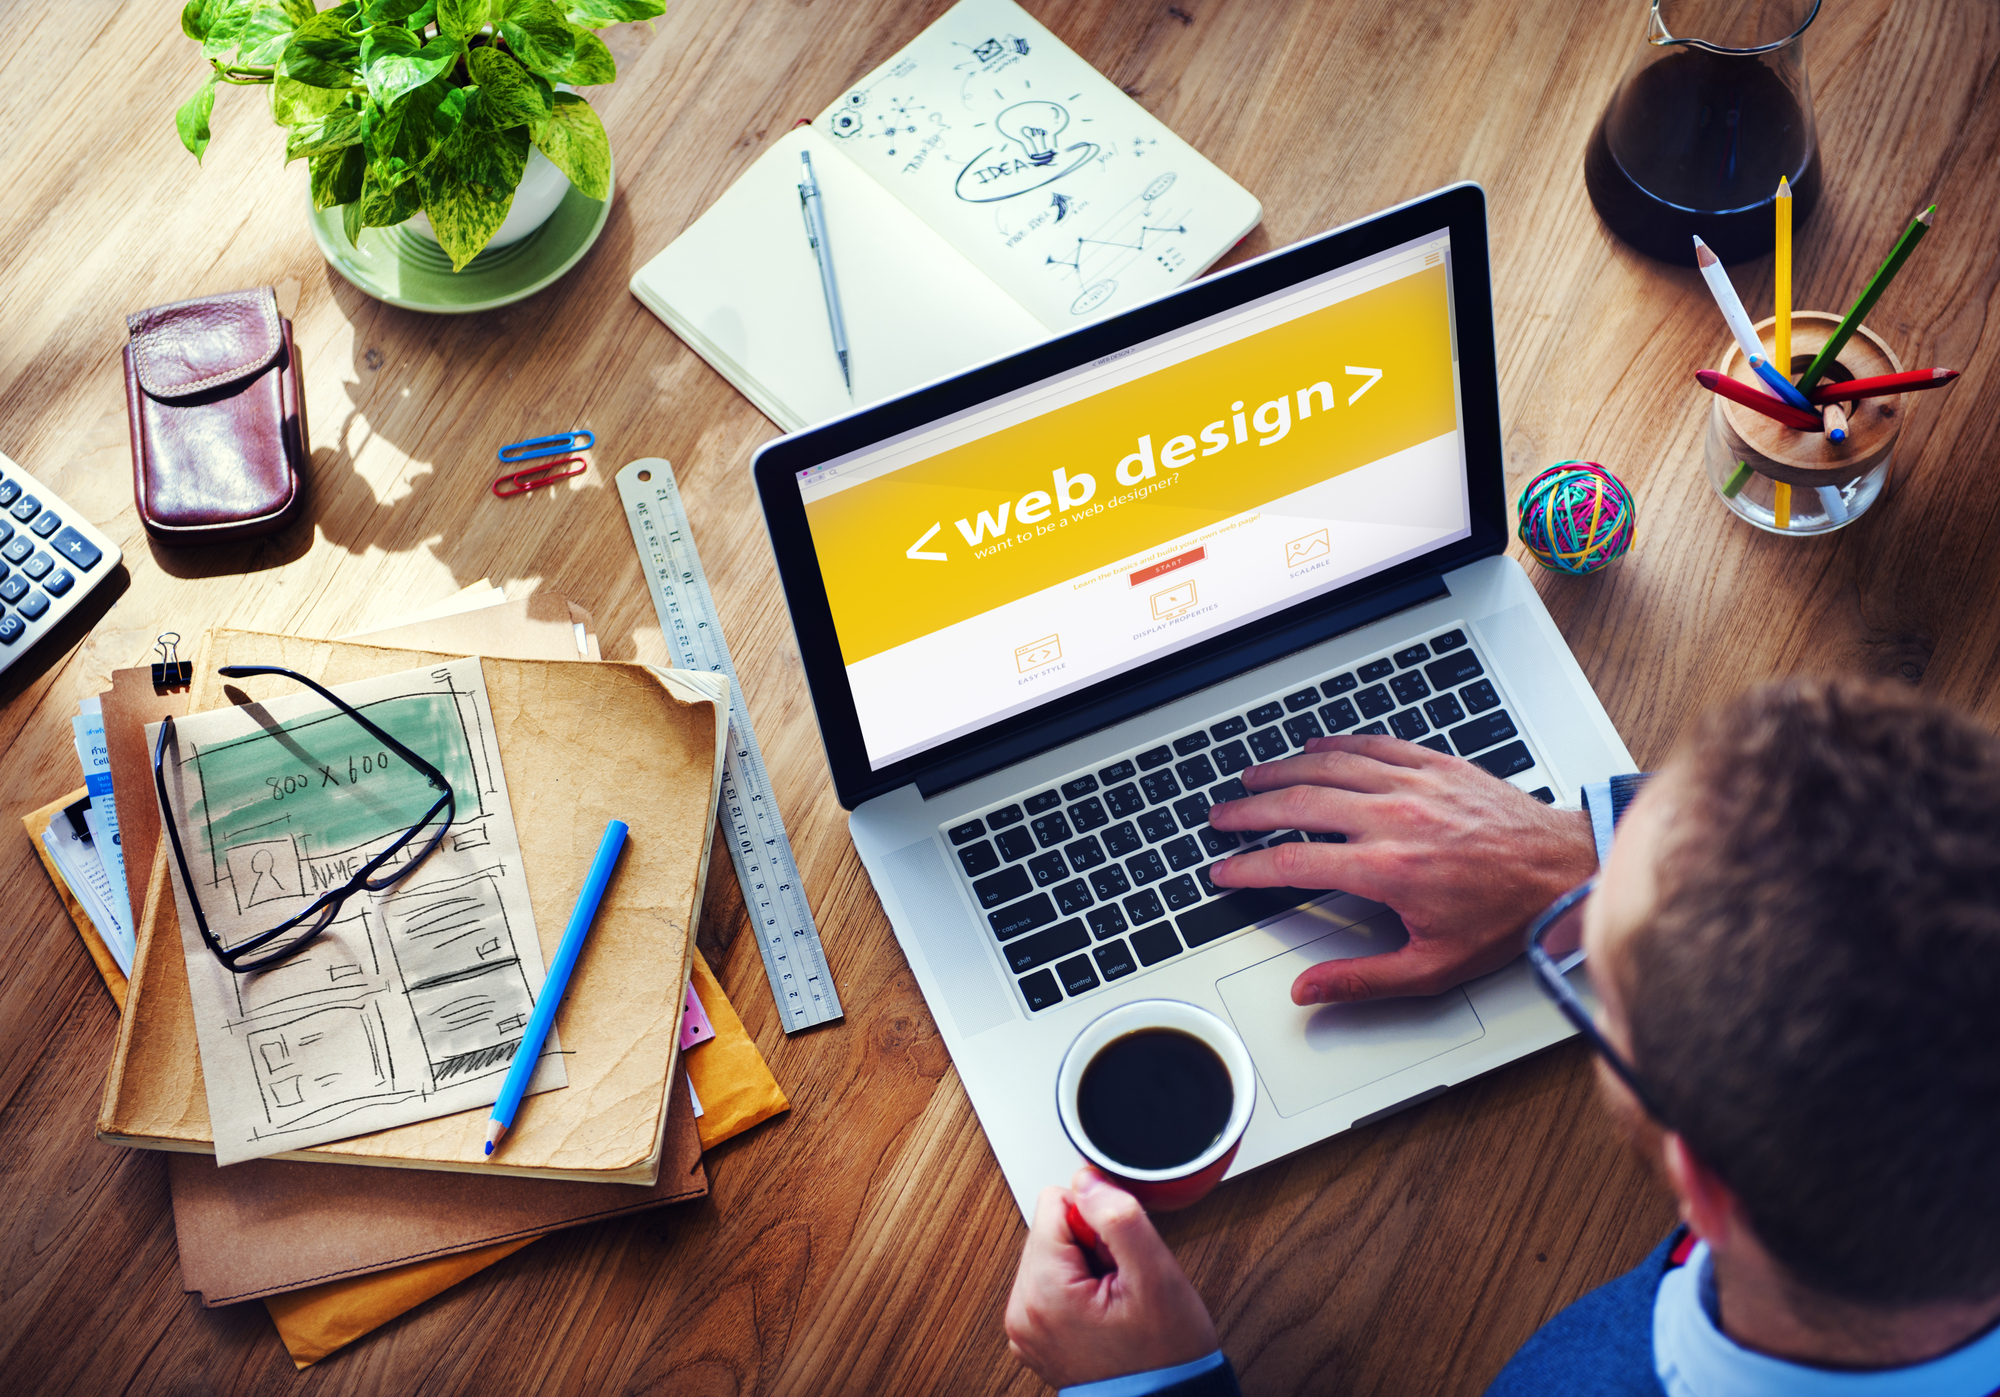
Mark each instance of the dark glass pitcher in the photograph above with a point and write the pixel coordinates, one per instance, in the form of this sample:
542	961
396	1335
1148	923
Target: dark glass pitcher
1700	129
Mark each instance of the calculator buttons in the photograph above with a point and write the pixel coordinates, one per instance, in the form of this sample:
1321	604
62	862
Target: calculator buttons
73	547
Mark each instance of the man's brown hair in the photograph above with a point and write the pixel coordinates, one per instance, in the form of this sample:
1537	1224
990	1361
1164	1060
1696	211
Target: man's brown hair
1816	1000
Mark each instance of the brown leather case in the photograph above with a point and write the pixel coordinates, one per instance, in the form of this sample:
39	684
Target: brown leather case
218	421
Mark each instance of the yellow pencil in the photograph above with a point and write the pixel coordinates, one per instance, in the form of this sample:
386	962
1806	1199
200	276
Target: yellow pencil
1781	503
1781	349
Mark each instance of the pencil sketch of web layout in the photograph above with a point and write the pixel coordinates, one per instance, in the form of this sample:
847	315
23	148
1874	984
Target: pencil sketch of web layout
411	1003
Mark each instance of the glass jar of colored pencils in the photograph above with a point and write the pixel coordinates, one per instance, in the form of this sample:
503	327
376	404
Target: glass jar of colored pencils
1801	482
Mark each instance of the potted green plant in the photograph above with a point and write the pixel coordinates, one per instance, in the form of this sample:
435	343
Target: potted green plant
408	106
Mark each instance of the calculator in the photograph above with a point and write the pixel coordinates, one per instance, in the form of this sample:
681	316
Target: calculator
51	558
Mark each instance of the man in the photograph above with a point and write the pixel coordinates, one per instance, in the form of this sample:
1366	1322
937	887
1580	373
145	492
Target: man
1796	943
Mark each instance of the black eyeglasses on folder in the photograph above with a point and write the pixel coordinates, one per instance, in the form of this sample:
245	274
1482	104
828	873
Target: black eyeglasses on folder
287	939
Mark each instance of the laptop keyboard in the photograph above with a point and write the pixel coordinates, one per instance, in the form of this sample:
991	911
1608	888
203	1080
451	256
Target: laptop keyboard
1105	874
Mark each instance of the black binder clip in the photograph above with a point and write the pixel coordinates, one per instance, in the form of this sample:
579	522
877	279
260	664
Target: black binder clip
170	671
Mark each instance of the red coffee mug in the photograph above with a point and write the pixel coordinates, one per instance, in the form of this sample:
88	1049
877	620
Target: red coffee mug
1161	1190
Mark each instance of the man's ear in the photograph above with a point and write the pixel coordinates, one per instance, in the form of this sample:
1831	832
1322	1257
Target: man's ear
1708	1206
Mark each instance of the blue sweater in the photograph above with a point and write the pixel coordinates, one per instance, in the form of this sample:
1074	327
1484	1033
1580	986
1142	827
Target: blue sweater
1602	1346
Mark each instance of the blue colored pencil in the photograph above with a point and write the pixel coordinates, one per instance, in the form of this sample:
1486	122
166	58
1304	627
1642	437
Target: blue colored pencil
555	983
1779	384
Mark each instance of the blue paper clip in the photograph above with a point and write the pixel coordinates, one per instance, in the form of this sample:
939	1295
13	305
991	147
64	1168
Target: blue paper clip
536	447
535	477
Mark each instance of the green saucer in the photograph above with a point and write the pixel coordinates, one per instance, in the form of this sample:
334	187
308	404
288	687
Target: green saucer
408	269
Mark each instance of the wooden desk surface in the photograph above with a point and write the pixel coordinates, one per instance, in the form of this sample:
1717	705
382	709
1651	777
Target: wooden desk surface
865	1242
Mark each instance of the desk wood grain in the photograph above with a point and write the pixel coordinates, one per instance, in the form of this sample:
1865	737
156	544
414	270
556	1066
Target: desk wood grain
864	1243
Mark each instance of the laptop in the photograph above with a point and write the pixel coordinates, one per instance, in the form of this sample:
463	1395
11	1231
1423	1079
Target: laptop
1050	608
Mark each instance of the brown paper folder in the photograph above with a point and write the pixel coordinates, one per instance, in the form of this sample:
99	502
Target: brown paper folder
581	744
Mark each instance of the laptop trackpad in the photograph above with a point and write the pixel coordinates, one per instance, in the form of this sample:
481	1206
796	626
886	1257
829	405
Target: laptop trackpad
1306	1057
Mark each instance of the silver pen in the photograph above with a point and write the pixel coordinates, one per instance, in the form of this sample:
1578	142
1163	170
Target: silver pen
815	214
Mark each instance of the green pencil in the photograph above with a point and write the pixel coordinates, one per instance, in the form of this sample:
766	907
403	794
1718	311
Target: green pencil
1870	294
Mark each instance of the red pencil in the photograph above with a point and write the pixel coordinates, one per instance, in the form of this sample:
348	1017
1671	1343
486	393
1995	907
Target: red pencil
1758	400
1881	386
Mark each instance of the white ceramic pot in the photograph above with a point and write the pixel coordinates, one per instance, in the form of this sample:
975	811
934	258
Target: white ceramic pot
542	189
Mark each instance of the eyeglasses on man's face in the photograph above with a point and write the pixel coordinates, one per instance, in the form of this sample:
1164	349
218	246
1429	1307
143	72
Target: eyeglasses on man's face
287	939
1555	947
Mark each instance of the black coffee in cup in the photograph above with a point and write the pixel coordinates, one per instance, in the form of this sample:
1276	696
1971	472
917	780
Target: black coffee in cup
1155	1098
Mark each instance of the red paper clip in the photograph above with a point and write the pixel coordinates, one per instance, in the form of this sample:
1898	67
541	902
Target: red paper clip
536	476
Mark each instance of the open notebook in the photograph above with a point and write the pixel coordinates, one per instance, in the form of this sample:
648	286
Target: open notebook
982	189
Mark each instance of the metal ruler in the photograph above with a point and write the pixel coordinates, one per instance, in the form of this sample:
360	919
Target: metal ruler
772	890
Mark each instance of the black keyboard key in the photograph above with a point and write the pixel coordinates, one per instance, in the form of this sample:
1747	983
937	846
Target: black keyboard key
1072	897
1079	788
1510	760
38	566
1453	670
1122	839
1125	800
1042	803
1182	853
1088	815
1006	815
12	628
1022	916
25	508
1303	699
33	606
1329	836
1006	885
1266	713
971	829
1373	730
1232	757
1039	989
1193	742
1269	744
1339	684
1375	669
1110	882
1303	729
73	548
1544	795
14	588
1106	922
1228	728
45	524
1158	823
1114	960
1157	756
1155	943
1180	893
1045	946
1443	711
1450	640
1144	907
1414	655
1409	725
1159	786
1231	789
1051	829
57	582
1216	841
1244	907
1207	884
1290	836
1192	811
1339	714
18	549
1146	868
1116	772
978	858
1481	733
1437	743
1085	854
1076	975
1409	688
1195	772
1048	868
1015	844
1374	702
1479	697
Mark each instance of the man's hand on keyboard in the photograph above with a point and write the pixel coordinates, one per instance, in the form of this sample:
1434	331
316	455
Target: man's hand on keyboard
1466	860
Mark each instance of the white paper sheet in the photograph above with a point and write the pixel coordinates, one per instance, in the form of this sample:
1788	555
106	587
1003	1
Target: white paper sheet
412	1002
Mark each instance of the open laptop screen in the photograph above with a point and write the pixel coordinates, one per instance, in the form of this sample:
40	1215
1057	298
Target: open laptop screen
1001	558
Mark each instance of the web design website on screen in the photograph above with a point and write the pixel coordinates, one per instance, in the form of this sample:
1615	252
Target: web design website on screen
1084	526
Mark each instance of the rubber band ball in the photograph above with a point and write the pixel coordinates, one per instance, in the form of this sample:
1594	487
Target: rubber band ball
1576	517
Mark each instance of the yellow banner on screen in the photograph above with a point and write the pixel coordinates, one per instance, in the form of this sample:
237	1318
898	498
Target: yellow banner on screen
1100	480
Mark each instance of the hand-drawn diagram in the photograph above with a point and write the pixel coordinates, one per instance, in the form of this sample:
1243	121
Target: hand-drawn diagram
411	1004
1032	156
